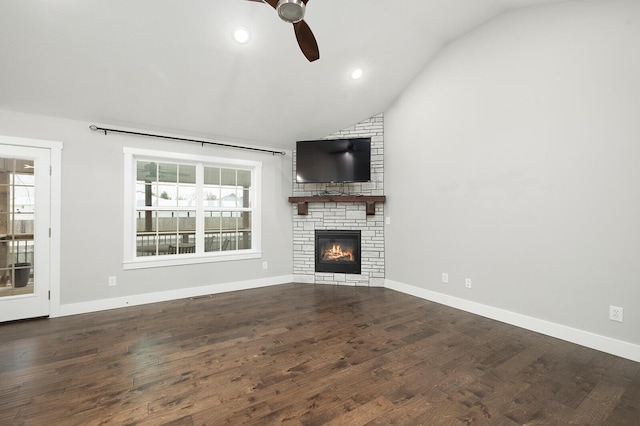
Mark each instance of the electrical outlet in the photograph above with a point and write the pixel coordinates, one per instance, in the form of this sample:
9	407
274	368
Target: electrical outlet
445	278
112	281
615	313
388	220
467	282
265	265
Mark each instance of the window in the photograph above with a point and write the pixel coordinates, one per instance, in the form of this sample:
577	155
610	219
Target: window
189	209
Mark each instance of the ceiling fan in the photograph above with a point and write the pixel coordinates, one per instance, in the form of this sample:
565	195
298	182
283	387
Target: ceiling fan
292	11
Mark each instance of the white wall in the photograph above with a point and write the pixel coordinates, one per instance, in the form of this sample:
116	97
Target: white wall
513	160
92	219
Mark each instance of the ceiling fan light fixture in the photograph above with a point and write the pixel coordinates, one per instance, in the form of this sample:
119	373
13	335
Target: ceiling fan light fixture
291	11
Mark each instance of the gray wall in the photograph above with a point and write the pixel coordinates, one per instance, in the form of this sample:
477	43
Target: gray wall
513	160
92	213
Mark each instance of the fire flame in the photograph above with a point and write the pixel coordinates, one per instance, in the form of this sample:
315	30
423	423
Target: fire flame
337	253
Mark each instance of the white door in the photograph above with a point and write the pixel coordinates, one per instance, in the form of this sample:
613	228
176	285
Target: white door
25	217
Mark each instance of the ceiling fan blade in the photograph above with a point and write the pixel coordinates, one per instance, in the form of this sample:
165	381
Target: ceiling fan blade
273	3
306	41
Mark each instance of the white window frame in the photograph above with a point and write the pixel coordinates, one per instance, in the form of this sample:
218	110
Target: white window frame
132	261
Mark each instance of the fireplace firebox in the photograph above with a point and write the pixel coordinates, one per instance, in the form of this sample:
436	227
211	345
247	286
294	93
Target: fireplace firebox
338	251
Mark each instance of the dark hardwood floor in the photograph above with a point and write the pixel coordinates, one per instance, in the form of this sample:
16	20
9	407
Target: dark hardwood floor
304	354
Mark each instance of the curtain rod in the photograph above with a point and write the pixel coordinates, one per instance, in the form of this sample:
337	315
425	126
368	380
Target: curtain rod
105	130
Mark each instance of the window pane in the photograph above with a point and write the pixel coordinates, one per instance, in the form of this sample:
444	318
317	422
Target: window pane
244	240
146	245
146	238
229	241
211	221
186	195
212	241
244	221
167	222
240	197
228	197
211	195
212	176
145	195
167	195
244	178
246	198
229	223
146	221
146	171
187	223
228	177
187	173
244	228
167	172
212	237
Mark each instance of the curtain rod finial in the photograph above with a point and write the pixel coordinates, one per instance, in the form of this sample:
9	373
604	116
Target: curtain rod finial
93	127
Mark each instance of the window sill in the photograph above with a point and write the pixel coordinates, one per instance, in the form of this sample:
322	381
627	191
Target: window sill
179	260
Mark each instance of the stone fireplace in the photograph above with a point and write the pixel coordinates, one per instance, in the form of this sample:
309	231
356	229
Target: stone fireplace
344	216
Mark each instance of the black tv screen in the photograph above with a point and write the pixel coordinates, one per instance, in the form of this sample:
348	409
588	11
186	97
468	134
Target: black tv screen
333	160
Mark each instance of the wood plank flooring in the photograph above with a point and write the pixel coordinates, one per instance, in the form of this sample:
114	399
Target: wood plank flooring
301	354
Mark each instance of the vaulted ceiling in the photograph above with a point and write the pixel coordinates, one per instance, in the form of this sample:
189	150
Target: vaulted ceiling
173	66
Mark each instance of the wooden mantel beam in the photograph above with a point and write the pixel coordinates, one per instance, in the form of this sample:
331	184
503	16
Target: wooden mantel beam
370	200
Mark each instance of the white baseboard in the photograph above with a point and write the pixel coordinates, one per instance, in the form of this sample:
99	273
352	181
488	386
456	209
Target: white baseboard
584	338
164	296
591	340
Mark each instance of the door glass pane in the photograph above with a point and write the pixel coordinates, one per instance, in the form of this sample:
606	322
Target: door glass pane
17	218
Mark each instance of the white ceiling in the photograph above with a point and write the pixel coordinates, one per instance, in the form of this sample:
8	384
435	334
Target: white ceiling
172	65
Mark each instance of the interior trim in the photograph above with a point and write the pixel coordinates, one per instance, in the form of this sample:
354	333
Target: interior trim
165	296
584	338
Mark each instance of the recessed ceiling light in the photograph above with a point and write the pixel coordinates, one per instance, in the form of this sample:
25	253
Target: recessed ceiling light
356	73
241	35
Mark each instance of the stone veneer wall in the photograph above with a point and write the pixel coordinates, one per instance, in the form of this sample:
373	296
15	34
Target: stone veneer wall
349	216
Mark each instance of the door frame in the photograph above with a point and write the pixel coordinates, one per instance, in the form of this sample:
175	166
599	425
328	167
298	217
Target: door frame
55	149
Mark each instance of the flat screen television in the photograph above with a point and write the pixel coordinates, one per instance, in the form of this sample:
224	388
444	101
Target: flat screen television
333	160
